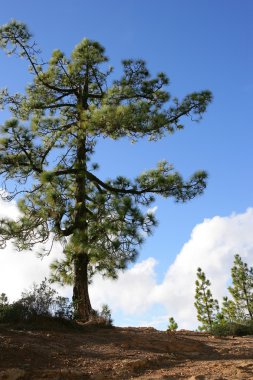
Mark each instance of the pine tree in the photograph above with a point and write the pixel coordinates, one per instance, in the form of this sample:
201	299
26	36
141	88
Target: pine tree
47	148
3	300
172	326
4	304
242	288
207	307
229	310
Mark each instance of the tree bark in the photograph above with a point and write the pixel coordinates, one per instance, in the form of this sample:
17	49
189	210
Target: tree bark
81	299
247	301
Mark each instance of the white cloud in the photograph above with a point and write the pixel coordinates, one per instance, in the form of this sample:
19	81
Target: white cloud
8	209
130	293
152	210
212	247
18	270
136	295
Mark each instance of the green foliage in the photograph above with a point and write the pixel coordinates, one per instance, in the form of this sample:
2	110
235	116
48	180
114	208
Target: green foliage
40	301
63	308
4	305
106	315
235	317
230	311
242	288
3	300
227	328
47	148
16	312
172	326
207	307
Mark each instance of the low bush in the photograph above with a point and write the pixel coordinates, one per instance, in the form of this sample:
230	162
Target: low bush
226	328
15	312
43	305
106	315
41	301
103	317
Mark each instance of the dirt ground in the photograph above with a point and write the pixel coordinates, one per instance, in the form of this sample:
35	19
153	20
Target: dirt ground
121	353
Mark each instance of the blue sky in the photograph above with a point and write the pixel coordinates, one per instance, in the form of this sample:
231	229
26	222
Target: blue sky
200	45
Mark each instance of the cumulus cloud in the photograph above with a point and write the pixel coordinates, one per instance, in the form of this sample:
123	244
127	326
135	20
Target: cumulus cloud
137	296
19	270
130	292
212	247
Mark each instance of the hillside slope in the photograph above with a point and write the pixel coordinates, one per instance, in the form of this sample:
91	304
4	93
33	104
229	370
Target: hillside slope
121	353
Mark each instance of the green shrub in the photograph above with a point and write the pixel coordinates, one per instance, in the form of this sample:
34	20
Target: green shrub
172	326
40	301
15	312
4	306
103	317
106	315
3	300
63	308
226	328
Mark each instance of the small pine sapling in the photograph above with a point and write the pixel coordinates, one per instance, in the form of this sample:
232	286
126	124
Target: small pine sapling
172	326
207	307
106	315
3	300
242	288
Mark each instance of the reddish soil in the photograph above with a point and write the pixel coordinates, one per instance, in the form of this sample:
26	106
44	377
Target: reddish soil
97	353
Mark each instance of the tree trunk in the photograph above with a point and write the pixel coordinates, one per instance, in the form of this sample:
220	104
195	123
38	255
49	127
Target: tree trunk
247	301
81	299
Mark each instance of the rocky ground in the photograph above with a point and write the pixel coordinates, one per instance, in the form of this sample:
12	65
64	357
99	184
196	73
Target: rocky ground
121	353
